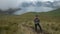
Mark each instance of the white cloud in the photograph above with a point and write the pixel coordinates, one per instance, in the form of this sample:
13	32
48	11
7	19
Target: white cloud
5	4
37	0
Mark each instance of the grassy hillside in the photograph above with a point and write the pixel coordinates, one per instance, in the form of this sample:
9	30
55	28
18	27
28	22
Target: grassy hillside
23	24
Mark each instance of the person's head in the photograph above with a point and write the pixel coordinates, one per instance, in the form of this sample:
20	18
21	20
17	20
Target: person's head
36	16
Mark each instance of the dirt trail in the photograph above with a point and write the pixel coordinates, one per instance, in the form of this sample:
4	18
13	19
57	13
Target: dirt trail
28	30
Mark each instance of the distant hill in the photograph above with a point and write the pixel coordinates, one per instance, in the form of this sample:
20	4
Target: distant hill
9	11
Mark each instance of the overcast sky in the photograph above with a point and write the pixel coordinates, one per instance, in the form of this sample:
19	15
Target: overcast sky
5	4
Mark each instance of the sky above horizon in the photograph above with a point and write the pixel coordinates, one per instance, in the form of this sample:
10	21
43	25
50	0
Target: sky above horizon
19	1
5	4
38	0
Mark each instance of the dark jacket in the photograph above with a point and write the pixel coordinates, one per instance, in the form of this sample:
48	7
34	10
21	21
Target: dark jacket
36	20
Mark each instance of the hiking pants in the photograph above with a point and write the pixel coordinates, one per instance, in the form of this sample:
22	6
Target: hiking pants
38	26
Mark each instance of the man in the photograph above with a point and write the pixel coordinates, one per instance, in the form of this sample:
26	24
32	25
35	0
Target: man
36	20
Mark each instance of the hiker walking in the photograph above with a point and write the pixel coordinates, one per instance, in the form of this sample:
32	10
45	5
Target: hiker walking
36	21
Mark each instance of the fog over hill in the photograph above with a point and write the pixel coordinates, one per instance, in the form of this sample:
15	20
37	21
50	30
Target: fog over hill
38	6
29	5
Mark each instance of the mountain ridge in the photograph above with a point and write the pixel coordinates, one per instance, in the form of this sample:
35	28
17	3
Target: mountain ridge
39	3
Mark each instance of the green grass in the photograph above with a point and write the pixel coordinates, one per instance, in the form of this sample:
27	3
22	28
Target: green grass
11	24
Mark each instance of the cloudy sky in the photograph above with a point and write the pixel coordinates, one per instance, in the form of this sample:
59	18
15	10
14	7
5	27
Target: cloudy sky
5	4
